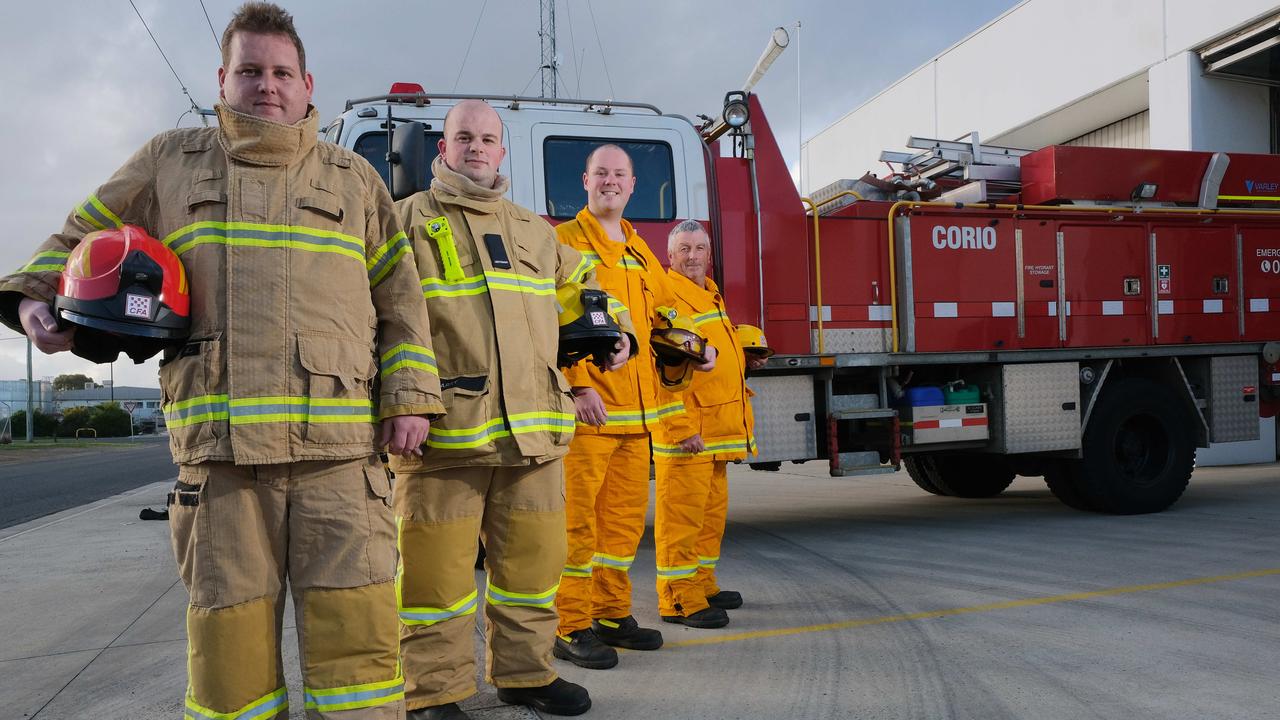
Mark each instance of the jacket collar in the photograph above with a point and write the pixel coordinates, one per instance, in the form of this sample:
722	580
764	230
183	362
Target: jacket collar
256	141
689	291
458	189
610	251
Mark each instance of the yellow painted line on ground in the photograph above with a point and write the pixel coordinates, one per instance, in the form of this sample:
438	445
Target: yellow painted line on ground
1007	605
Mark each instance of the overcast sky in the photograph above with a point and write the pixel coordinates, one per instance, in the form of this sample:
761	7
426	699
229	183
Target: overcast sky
82	86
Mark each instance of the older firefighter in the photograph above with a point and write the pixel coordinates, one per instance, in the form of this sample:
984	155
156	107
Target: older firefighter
492	468
607	469
303	299
691	450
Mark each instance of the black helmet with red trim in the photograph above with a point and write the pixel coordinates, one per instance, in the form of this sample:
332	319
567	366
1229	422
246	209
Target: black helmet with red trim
124	291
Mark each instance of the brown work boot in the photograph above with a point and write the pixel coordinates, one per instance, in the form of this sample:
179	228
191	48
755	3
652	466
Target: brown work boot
560	697
449	711
705	619
584	649
726	600
625	632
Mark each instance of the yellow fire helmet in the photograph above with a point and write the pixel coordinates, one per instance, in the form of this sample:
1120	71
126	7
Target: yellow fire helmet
588	329
751	338
677	347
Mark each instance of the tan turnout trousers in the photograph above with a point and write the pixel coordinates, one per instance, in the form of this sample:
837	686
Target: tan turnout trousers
519	514
239	531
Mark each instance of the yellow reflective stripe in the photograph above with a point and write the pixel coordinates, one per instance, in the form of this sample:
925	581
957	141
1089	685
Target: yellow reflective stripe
384	259
352	697
435	287
47	261
497	596
516	423
242	234
520	283
577	570
708	561
408	355
426	616
709	317
580	272
624	418
203	408
676	572
613	562
616	306
711	448
625	262
674	408
282	408
264	707
96	214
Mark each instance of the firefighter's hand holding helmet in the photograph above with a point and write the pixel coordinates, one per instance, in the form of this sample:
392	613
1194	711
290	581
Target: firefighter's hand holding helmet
710	364
404	434
623	354
40	325
754	346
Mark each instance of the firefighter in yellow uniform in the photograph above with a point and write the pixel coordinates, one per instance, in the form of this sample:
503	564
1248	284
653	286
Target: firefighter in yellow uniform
304	298
492	467
691	451
607	469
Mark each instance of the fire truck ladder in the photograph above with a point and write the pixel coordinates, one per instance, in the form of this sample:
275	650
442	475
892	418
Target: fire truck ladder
984	169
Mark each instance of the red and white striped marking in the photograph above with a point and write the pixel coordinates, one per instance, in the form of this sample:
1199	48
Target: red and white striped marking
949	423
1000	308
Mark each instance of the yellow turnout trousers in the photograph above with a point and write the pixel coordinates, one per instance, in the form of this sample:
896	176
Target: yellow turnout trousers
239	531
606	493
519	514
692	502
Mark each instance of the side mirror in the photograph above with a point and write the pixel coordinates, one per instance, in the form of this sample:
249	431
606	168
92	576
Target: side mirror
406	159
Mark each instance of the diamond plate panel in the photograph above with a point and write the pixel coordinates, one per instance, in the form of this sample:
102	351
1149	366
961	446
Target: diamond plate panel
779	400
1040	407
1232	418
853	340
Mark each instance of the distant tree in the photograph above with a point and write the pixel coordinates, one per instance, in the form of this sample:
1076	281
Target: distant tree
75	418
71	381
110	420
46	424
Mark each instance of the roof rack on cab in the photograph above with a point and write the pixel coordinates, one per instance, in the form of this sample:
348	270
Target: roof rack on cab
414	94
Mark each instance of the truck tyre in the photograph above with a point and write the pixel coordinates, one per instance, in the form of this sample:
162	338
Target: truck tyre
966	476
1138	450
1063	479
922	470
973	476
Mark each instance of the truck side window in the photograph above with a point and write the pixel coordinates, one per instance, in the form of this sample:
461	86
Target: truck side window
565	157
373	147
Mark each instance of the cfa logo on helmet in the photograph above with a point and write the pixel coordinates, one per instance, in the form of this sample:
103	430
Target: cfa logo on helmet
957	237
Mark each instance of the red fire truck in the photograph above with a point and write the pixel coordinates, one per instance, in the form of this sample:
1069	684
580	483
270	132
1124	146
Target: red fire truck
1091	315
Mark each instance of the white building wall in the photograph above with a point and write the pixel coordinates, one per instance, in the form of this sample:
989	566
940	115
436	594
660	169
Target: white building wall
1044	72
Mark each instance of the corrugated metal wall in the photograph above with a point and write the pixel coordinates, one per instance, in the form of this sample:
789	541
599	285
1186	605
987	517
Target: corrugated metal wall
1131	132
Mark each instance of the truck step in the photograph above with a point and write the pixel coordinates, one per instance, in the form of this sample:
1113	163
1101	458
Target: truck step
868	414
859	463
840	403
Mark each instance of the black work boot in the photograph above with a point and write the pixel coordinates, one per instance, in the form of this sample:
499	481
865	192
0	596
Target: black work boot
625	632
560	697
448	711
584	649
705	619
726	600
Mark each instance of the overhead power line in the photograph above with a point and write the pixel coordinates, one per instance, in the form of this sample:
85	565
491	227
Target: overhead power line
603	60
194	105
467	54
216	41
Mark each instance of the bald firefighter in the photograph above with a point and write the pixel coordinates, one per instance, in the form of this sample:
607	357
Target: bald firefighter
492	467
607	469
691	450
304	299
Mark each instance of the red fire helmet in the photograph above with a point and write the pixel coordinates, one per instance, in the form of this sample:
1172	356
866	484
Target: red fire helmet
124	291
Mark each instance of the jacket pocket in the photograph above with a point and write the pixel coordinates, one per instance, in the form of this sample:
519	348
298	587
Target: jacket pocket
466	424
194	399
327	207
561	402
339	374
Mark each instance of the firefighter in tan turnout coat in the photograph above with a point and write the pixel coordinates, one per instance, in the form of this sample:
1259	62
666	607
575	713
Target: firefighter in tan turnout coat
307	327
492	467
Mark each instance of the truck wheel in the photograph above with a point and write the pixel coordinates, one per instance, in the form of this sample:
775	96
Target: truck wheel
923	470
1063	479
973	476
1138	451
